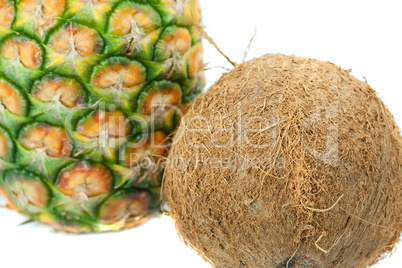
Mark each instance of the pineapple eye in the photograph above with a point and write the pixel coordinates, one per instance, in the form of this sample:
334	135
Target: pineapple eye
154	148
159	97
119	74
27	189
74	40
11	98
173	43
83	178
133	19
49	139
22	50
46	9
191	13
125	207
187	12
6	14
43	13
100	123
57	89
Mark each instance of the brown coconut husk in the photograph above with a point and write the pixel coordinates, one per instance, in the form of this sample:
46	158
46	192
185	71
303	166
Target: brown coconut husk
323	190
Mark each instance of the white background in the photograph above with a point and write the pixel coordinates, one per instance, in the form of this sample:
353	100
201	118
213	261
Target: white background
363	35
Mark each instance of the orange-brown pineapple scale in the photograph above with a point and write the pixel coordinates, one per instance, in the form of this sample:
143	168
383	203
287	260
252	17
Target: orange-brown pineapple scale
90	92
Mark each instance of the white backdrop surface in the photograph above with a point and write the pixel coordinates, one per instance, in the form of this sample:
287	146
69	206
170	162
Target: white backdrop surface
362	35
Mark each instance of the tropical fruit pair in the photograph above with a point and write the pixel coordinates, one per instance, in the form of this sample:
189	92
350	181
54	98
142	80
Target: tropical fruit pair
90	92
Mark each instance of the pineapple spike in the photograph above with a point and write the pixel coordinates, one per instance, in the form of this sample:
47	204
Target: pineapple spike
9	69
72	52
133	38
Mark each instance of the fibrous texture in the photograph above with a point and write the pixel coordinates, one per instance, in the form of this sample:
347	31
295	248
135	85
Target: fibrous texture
90	92
287	162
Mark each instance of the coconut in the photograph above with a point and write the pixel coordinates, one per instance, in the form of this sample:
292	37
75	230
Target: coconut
287	162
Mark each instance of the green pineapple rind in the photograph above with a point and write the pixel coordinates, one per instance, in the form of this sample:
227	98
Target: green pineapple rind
61	211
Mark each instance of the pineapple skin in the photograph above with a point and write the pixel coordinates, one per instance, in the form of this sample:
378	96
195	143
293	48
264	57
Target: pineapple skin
90	94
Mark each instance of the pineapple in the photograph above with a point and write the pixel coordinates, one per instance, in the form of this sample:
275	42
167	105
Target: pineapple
90	93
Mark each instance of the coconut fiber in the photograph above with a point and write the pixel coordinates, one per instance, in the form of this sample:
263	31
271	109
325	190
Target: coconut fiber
287	162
